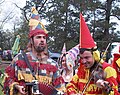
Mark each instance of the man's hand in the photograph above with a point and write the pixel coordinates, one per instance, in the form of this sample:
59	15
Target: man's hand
21	89
104	85
101	83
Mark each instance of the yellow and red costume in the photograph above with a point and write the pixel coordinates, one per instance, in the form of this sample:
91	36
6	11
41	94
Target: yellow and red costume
116	65
81	78
19	73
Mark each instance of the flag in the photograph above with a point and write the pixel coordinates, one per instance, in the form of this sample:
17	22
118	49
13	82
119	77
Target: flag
16	46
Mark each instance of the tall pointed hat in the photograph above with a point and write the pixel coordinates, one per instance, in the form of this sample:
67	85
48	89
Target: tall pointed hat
36	27
74	52
64	49
86	40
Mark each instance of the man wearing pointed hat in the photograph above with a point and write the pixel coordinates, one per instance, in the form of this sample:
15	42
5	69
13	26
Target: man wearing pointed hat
42	77
103	80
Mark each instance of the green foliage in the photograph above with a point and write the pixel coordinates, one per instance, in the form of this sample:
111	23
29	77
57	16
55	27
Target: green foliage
23	32
1	80
6	39
62	18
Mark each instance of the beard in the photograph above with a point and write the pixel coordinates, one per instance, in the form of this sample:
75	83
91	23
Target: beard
40	48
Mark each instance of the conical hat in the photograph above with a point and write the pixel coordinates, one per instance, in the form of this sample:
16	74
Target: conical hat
64	49
86	40
36	27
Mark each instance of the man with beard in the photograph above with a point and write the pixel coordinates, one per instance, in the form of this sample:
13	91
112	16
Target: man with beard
36	75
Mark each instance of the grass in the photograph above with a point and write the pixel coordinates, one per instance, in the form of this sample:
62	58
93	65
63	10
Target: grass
1	79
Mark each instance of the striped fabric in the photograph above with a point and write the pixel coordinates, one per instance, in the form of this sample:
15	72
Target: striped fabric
19	73
74	52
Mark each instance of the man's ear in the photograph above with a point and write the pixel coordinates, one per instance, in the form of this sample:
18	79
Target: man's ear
31	41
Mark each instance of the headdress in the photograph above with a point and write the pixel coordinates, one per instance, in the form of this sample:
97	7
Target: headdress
64	49
74	52
86	40
36	27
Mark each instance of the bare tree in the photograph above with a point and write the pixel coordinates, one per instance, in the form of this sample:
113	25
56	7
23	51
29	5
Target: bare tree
6	19
2	1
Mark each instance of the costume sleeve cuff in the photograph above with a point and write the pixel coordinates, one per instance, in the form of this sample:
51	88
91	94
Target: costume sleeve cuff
12	87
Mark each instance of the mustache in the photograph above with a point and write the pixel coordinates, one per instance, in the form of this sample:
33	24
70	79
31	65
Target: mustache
42	43
40	48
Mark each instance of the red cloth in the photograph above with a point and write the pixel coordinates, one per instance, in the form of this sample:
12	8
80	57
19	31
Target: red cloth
36	32
78	82
115	66
47	73
86	40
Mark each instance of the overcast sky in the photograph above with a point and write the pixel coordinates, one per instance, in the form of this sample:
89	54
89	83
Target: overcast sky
9	6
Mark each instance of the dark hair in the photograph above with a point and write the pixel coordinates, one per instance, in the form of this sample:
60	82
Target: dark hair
82	50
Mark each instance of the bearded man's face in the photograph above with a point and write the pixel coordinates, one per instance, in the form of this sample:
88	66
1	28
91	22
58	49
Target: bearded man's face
40	42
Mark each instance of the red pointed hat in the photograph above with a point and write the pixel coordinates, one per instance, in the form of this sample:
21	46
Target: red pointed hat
86	40
36	27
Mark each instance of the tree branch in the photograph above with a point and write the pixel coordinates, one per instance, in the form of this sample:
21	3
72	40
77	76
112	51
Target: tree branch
118	17
42	5
5	19
24	13
2	1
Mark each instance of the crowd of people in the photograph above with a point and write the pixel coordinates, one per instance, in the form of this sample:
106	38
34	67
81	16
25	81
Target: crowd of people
31	73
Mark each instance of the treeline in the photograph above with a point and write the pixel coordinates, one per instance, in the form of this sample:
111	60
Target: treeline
62	17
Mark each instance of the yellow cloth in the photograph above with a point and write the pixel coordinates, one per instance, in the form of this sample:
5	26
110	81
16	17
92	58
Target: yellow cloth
33	22
110	72
118	62
34	10
96	55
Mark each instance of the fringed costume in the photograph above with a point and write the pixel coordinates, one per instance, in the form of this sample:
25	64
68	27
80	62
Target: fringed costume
19	73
